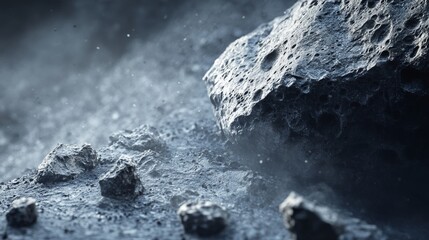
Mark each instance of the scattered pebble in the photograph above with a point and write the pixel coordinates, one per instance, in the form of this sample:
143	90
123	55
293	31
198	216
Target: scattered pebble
203	218
23	212
122	181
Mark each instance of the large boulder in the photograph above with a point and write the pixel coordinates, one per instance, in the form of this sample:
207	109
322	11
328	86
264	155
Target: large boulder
330	69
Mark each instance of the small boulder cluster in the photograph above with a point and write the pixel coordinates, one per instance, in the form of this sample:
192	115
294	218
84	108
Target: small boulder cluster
67	161
122	181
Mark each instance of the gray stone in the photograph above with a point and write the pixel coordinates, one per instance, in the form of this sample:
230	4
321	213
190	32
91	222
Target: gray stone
307	221
329	69
122	181
203	218
140	139
23	212
65	162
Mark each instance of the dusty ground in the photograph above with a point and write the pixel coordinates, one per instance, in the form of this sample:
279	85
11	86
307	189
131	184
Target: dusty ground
78	72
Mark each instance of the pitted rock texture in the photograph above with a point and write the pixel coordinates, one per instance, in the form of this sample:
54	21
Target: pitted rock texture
65	162
308	221
203	218
23	212
328	69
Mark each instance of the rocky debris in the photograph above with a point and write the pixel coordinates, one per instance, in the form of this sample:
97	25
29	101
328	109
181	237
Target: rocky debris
308	221
329	69
140	139
203	218
65	162
23	212
122	181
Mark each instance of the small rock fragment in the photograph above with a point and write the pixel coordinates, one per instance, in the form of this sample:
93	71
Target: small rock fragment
122	181
23	212
310	222
65	162
301	219
203	218
140	139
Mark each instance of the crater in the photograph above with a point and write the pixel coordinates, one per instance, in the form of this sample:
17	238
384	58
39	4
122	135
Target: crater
257	96
269	60
381	34
412	23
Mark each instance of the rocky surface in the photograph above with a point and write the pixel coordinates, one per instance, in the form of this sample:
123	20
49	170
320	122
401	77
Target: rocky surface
23	212
203	218
66	162
76	76
122	181
190	173
346	74
311	222
76	209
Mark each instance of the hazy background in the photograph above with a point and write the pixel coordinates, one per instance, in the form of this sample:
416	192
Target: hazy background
77	71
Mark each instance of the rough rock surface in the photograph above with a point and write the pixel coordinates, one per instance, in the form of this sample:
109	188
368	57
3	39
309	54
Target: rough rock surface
140	139
122	181
23	212
203	218
311	222
330	69
65	162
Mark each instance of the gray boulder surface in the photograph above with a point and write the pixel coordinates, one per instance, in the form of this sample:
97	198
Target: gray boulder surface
23	212
330	69
65	162
203	218
122	181
307	221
